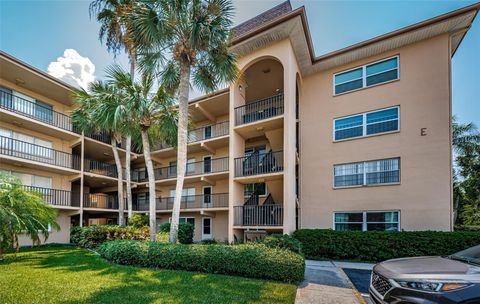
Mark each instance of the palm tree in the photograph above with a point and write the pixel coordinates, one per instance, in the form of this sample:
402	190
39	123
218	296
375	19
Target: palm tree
115	19
153	112
464	136
22	212
196	35
90	118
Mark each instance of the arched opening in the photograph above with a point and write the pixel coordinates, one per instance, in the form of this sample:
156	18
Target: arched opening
263	79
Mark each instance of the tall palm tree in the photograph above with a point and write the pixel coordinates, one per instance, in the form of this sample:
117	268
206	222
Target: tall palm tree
22	212
188	40
90	118
464	136
151	109
115	19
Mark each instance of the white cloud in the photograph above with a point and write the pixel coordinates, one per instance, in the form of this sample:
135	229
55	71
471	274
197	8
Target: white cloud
73	68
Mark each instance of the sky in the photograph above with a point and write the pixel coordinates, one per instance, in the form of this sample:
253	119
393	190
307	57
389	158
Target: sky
58	36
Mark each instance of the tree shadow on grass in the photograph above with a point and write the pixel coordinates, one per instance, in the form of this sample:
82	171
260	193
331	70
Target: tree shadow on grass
128	284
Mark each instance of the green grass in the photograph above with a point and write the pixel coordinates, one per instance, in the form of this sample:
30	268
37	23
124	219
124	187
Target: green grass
72	275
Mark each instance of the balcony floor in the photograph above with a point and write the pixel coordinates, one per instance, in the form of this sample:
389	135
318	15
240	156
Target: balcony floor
259	178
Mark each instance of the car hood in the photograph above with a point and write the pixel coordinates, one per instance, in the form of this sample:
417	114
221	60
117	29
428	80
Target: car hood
426	267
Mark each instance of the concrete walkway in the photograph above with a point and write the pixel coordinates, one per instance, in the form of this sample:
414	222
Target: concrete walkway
326	283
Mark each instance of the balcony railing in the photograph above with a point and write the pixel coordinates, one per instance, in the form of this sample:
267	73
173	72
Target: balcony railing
262	109
35	111
208	132
259	163
29	151
100	201
214	165
264	215
56	197
101	168
217	200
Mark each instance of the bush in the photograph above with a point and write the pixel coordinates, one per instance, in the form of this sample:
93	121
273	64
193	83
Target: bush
248	260
209	242
138	220
185	232
283	241
376	246
92	236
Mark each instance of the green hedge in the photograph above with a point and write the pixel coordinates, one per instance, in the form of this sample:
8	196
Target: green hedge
283	241
92	236
376	246
246	260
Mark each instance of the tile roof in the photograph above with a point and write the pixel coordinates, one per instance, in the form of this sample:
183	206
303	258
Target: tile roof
261	19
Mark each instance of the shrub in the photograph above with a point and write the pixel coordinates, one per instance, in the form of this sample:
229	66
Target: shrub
376	246
185	232
138	220
248	260
283	241
92	236
209	242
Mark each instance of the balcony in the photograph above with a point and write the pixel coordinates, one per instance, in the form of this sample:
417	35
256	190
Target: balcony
258	216
259	163
100	168
28	151
259	110
204	201
56	197
216	165
35	111
198	135
100	201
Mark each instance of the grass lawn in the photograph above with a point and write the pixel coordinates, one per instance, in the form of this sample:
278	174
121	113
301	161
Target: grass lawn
72	275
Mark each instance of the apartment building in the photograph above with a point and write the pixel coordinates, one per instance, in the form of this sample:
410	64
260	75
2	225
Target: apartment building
357	139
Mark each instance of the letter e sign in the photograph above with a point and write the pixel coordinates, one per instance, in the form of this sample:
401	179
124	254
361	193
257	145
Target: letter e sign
423	132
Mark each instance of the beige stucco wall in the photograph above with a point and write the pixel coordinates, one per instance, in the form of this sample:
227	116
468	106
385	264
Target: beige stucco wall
62	236
423	93
59	181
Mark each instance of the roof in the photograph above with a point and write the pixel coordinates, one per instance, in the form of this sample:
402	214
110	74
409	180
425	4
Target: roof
293	25
259	20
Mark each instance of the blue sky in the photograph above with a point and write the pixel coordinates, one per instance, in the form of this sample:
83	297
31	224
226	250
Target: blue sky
40	31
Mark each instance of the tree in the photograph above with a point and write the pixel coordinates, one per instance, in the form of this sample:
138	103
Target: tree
195	34
23	212
115	19
90	117
143	109
466	192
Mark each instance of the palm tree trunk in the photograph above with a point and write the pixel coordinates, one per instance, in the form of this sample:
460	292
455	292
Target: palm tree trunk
151	186
182	146
121	220
128	175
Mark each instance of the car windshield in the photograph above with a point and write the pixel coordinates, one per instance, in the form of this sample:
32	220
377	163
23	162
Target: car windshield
470	255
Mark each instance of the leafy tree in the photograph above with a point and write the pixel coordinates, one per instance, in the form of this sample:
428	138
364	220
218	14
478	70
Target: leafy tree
187	40
23	212
115	19
466	192
138	220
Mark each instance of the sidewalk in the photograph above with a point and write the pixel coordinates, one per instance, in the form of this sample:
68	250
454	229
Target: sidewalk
326	283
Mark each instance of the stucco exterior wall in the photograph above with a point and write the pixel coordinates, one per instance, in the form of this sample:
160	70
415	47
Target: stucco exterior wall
61	237
423	94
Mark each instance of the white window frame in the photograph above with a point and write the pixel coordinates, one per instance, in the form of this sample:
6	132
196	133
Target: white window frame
364	218
203	196
364	75
364	124
365	174
207	236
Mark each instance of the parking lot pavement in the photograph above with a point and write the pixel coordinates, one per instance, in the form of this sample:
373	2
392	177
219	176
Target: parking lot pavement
326	283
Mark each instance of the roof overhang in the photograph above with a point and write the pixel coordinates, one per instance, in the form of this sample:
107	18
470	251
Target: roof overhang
33	79
294	26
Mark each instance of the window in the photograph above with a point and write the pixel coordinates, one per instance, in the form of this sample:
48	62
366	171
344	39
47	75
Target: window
181	220
188	194
369	123
191	165
40	147
367	75
367	221
31	180
375	172
259	188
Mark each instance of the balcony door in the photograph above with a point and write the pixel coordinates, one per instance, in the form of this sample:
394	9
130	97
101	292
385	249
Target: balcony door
207	228
207	197
207	132
23	103
207	164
